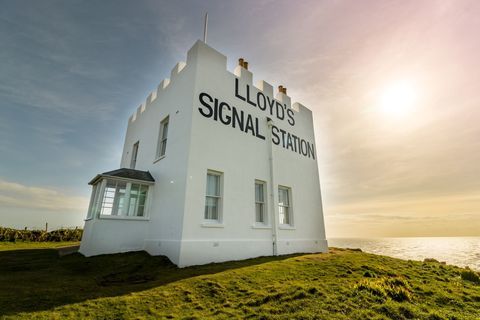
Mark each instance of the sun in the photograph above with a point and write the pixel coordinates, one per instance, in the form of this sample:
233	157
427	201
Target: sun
398	99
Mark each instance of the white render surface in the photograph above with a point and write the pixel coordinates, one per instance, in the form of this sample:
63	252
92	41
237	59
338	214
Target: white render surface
174	224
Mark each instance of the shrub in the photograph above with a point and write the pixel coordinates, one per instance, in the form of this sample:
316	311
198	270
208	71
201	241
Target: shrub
470	275
13	235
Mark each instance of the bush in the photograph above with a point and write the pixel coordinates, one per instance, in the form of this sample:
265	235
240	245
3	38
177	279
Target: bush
13	235
470	275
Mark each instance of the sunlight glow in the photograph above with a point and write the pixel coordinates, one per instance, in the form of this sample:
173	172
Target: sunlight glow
398	100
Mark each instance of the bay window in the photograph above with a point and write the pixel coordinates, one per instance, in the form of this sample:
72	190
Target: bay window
118	198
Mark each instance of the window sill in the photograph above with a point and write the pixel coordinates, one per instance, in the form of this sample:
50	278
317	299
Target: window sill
158	159
261	226
286	227
124	218
212	225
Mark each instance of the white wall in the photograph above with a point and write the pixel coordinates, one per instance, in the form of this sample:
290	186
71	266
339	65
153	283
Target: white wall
102	236
244	158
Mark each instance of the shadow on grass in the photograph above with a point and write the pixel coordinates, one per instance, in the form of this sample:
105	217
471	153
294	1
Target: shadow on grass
35	280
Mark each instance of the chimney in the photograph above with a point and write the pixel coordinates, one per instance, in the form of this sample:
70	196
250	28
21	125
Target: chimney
284	90
280	89
243	63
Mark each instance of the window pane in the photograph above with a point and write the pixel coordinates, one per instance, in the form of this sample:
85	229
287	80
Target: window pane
91	208
140	211
259	212
97	204
283	197
121	210
133	205
283	215
135	189
134	194
120	198
143	190
141	200
106	210
162	138
165	131
163	147
213	185
133	162
259	192
211	208
108	197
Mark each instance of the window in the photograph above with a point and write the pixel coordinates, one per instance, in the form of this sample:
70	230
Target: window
121	198
260	216
138	197
93	201
284	207
113	203
213	196
133	163
162	138
96	200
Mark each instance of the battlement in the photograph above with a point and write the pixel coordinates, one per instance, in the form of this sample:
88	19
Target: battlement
218	61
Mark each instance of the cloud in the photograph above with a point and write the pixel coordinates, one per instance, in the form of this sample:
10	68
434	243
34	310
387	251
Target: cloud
15	195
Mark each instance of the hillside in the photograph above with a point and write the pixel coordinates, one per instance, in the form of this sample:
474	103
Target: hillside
343	284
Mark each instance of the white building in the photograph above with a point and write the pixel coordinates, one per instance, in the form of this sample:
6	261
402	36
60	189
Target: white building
213	169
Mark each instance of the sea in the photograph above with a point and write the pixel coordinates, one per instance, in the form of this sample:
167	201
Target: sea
459	251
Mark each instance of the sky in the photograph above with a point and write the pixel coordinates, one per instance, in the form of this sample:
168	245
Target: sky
393	86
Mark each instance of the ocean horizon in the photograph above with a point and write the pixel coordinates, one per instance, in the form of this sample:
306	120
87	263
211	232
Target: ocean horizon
459	251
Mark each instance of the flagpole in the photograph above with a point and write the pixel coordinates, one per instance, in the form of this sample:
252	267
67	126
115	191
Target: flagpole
205	28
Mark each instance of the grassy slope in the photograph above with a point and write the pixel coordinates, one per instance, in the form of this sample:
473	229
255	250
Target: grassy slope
343	284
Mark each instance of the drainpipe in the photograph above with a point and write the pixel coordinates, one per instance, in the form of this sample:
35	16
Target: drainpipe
272	188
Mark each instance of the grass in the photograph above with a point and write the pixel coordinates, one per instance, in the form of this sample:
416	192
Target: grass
343	284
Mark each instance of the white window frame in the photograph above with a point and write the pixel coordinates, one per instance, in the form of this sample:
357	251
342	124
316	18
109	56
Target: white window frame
133	160
162	139
289	207
263	203
97	208
219	197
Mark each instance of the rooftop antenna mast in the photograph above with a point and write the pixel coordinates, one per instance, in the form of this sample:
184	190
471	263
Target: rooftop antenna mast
205	28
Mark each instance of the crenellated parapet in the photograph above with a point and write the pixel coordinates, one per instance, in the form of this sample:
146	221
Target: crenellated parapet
218	62
155	94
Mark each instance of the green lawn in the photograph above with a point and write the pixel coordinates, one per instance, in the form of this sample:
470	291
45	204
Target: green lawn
343	284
